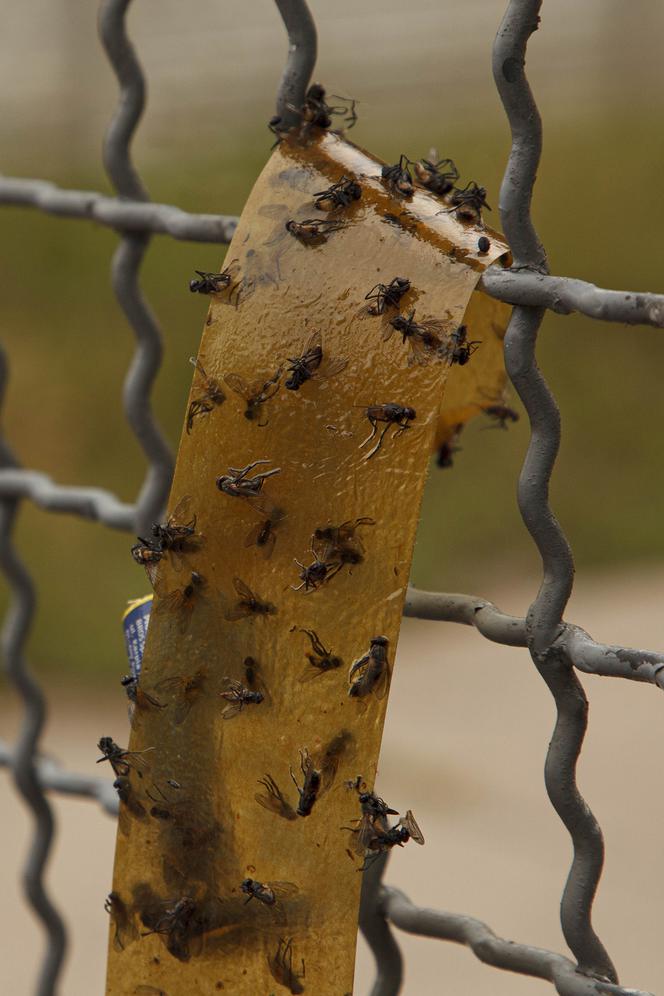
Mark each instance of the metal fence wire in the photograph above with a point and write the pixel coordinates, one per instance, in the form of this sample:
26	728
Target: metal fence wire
557	648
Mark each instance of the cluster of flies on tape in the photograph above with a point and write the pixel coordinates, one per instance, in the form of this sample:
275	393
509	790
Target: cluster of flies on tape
427	339
183	922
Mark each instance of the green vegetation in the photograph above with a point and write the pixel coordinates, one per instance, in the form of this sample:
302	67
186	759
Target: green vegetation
69	347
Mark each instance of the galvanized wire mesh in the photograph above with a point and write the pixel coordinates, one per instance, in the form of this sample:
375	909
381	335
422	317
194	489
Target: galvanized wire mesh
556	647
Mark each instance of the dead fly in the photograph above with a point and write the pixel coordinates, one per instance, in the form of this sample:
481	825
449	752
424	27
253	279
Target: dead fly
238	697
281	966
147	553
255	395
424	338
317	113
372	805
130	806
398	177
467	204
263	535
500	415
370	672
205	402
459	349
438	177
316	574
319	772
392	415
123	761
313	231
137	695
213	283
268	893
181	926
371	837
248	604
237	484
187	690
125	929
274	800
303	368
387	295
178	534
339	195
181	601
320	659
341	542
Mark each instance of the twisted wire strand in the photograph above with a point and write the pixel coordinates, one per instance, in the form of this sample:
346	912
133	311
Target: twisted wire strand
90	503
123	215
53	777
126	265
302	51
545	614
577	646
377	932
493	950
13	637
563	295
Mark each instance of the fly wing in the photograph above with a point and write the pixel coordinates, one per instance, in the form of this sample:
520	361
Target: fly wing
183	707
364	835
381	683
358	664
335	366
419	354
267	547
171	685
145	699
181	514
283	890
434	327
409	822
231	710
171	601
253	535
243	590
315	343
310	672
239	612
329	760
151	571
238	384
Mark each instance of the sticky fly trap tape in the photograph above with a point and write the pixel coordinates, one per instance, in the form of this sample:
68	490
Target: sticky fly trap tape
265	684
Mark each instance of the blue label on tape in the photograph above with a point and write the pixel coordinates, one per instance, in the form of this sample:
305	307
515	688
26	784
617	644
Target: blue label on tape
135	625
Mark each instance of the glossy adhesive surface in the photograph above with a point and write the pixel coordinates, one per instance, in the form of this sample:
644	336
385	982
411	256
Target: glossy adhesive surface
199	841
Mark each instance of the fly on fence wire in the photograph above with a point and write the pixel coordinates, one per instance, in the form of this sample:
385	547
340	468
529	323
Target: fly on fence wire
557	648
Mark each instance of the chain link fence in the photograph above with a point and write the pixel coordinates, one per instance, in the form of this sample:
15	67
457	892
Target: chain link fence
557	648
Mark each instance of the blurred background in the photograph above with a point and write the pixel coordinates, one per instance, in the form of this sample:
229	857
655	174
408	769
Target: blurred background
422	75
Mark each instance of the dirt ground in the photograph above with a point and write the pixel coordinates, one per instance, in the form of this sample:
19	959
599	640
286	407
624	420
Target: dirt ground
467	730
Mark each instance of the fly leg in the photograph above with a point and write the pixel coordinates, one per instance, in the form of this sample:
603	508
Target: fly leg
378	444
374	430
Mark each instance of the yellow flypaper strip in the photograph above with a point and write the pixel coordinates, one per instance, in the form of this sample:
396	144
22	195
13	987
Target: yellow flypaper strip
263	684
